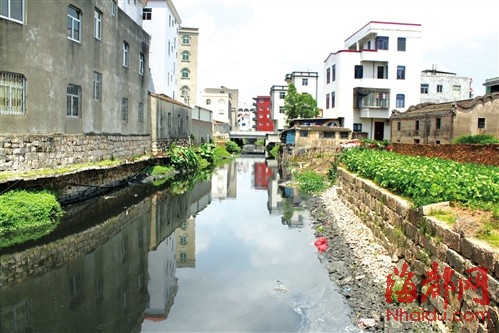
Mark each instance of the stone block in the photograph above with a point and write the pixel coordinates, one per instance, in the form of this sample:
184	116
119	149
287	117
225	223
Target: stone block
456	261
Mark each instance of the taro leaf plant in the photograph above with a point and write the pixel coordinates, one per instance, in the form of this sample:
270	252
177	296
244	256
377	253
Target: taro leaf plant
183	159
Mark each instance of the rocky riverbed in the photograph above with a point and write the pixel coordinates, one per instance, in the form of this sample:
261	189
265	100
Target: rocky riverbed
359	266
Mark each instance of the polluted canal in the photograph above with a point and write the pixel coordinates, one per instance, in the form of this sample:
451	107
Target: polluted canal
234	253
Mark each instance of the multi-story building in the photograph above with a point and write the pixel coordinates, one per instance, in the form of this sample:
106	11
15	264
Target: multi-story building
188	65
263	119
305	82
245	117
223	102
441	87
134	9
161	20
277	96
73	67
491	85
377	72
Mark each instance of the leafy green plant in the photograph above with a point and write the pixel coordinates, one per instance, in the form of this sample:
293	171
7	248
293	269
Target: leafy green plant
26	215
206	151
274	151
183	159
476	139
232	147
310	182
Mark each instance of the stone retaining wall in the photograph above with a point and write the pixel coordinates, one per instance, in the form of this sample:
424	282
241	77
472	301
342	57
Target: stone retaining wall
421	241
29	152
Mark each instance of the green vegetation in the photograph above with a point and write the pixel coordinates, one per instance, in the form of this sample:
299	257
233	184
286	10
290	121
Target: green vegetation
476	139
299	105
427	180
232	147
310	182
260	142
443	215
183	159
27	216
274	151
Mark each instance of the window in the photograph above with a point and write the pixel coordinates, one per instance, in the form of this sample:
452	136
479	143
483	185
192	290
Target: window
281	109
12	9
328	135
124	109
12	93
304	82
141	63
381	43
147	14
141	112
400	101
304	134
416	140
425	88
400	72
114	5
440	88
73	98
401	44
186	39
438	123
184	92
359	72
185	73
97	24
381	72
456	91
73	24
399	125
333	100
126	50
208	101
357	127
328	75
327	101
343	135
260	115
481	122
186	56
97	86
334	73
416	125
282	94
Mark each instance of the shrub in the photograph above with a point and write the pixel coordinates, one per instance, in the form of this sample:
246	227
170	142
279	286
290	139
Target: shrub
232	147
183	159
310	182
476	139
27	216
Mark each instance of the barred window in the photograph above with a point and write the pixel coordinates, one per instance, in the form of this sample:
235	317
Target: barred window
124	109
73	101
12	93
97	86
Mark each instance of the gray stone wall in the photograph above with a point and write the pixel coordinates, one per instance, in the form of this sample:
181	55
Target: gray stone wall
421	240
29	152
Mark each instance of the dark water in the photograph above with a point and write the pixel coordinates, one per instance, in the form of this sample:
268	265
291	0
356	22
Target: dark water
235	254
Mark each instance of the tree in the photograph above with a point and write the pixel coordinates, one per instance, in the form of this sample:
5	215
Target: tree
299	105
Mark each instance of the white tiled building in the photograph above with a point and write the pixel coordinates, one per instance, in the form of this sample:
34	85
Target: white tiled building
133	8
442	87
305	82
162	22
378	71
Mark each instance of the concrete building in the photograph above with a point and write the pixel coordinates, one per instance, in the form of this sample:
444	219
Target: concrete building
441	87
264	121
134	9
162	22
277	95
188	66
74	67
491	85
441	123
245	117
202	124
305	82
223	102
378	71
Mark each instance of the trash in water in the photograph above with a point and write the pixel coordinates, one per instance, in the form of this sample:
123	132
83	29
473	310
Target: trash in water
280	288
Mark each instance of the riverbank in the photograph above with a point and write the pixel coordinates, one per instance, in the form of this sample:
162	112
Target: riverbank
358	265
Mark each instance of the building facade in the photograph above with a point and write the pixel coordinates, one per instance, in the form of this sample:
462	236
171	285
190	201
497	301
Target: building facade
161	20
74	67
134	9
188	65
223	102
277	96
441	123
245	117
377	72
263	121
441	87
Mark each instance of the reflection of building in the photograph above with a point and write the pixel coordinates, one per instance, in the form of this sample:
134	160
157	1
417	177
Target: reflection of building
231	181
224	182
262	175
274	197
186	243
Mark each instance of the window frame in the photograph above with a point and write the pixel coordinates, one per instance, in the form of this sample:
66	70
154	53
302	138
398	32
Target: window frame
400	72
97	24
125	54
425	88
97	86
114	6
9	15
124	109
382	42
400	101
186	40
438	123
357	127
304	82
140	113
440	88
401	44
481	123
185	73
12	83
186	56
70	101
141	63
358	72
333	99
282	95
71	30
147	14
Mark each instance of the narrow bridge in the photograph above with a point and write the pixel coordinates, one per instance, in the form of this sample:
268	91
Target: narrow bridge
248	135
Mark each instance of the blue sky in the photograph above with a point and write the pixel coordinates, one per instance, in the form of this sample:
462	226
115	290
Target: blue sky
251	45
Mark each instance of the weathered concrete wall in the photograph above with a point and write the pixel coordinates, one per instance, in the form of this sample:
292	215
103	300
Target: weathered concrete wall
421	240
29	152
465	153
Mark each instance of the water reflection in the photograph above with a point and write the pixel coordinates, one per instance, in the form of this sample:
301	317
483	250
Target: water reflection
181	263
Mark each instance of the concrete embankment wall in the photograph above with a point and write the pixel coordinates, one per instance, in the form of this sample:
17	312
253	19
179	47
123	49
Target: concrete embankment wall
421	241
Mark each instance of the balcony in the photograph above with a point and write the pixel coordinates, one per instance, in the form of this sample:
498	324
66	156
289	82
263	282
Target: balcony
371	98
374	113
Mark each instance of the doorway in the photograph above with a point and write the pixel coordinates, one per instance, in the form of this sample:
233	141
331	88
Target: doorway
379	130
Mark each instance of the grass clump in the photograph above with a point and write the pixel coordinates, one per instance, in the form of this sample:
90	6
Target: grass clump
310	182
